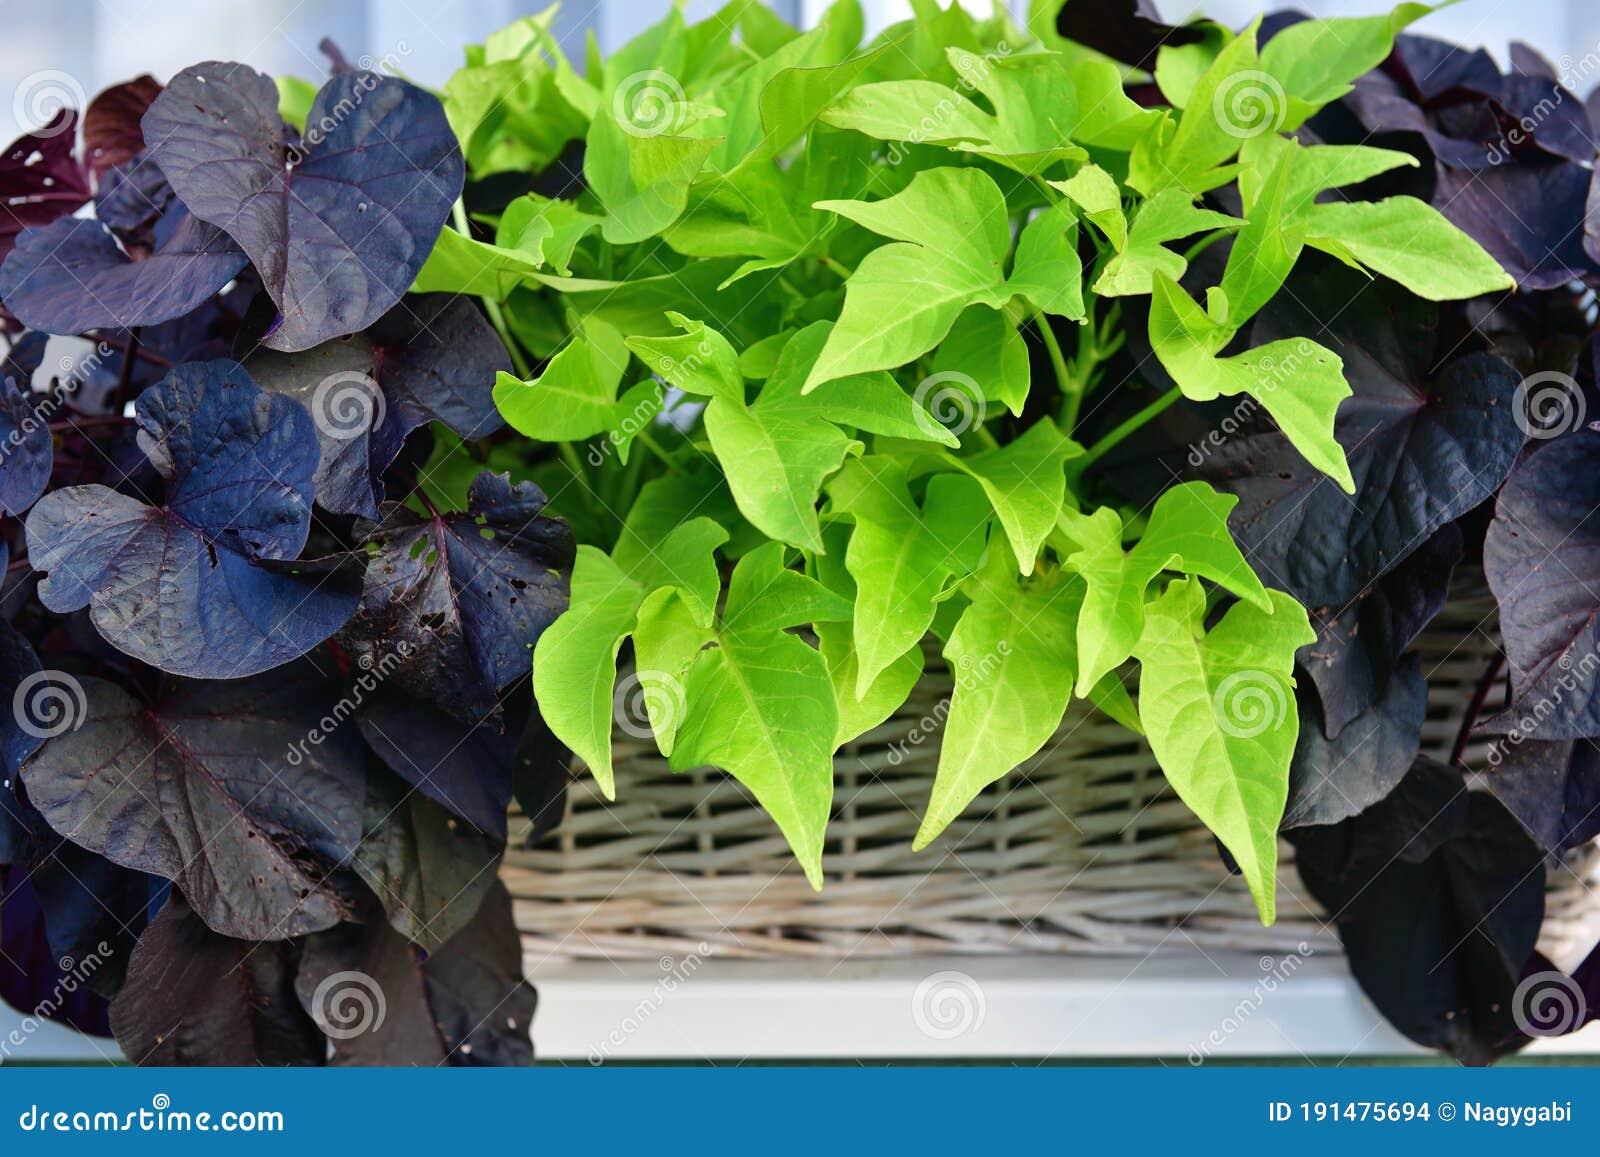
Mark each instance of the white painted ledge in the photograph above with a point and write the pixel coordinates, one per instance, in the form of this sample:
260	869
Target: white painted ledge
952	1008
1173	1007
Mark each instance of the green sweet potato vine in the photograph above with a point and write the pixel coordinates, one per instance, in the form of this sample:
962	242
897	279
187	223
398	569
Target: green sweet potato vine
817	332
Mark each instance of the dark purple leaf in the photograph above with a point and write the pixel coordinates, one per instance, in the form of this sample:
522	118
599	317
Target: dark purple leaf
111	132
40	178
432	358
1438	895
384	1001
178	585
337	228
1127	30
465	767
131	198
32	979
1531	218
26	450
1551	786
1541	555
235	791
1358	645
1425	445
72	276
467	595
429	870
195	998
1333	779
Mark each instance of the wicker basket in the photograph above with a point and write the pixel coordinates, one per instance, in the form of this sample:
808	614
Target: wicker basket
1085	848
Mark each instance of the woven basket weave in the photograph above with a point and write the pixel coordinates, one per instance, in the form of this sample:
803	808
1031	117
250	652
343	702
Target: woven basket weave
1084	848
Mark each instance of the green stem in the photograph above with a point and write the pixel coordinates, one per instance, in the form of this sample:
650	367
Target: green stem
491	307
837	266
1124	428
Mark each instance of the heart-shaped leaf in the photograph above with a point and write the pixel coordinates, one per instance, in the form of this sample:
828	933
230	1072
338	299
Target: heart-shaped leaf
337	225
218	787
429	359
71	276
179	585
464	1003
196	998
467	594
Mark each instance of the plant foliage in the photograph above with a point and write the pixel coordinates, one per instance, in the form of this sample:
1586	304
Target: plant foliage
268	702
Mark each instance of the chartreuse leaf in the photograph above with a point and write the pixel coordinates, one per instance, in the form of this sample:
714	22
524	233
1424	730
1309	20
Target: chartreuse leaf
575	659
459	264
1168	216
641	175
1265	250
1094	191
1013	655
774	460
777	451
1315	61
551	228
1187	532
759	702
1299	382
1230	102
1219	711
1047	270
985	356
1409	241
837	642
1026	483
951	232
575	396
901	557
